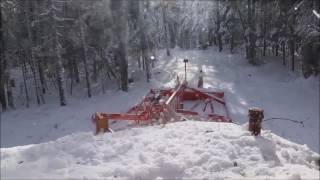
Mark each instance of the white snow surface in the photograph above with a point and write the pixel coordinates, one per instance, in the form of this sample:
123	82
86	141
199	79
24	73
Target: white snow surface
50	141
271	86
181	150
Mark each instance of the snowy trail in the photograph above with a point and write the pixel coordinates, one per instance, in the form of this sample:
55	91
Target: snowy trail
58	142
280	93
270	86
182	150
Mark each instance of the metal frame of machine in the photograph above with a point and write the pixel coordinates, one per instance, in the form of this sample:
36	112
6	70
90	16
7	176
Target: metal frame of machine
166	105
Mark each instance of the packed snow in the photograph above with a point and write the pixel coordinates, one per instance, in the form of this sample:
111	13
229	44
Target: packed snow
58	142
189	149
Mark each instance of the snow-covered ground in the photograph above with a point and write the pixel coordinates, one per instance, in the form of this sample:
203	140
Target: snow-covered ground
50	140
189	149
271	86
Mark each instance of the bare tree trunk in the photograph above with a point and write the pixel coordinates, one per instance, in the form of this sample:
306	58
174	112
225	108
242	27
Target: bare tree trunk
95	70
220	42
292	48
264	46
252	38
2	68
75	70
250	58
283	53
60	72
243	25
220	18
85	57
24	73
143	60
34	75
167	41
147	61
218	25
25	85
119	29
292	40
71	85
277	49
41	60
71	74
60	80
102	78
42	77
95	65
215	40
139	61
273	49
106	63
58	64
31	54
231	43
264	26
123	67
166	28
144	43
3	93
10	93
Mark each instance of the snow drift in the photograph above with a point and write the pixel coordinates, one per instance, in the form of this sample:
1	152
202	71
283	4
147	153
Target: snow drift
189	149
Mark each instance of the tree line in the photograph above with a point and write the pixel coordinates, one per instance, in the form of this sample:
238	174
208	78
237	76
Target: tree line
68	43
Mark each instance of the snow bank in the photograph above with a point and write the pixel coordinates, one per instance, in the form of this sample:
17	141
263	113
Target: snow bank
190	149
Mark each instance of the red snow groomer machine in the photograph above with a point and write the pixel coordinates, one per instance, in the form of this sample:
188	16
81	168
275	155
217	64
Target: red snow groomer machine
170	105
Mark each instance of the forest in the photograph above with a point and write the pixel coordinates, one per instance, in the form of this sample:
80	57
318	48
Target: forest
56	47
160	89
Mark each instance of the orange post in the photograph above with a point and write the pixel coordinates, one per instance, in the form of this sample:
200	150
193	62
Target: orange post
102	124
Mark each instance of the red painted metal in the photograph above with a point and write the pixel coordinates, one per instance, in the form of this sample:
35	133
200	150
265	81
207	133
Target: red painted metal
159	101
